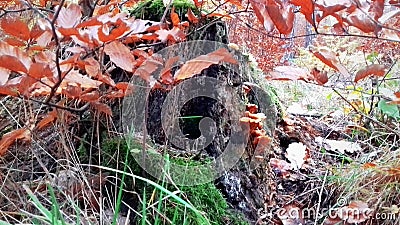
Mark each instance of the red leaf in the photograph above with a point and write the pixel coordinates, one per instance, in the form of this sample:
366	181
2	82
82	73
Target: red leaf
196	65
39	70
15	27
174	17
191	17
9	138
282	16
307	8
120	55
320	77
374	69
329	58
12	63
261	12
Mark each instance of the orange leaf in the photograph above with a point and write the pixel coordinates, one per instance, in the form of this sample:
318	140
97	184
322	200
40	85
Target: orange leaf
103	108
114	34
191	17
39	70
196	65
12	63
120	55
22	56
174	17
15	42
374	69
15	27
47	120
329	58
9	138
70	16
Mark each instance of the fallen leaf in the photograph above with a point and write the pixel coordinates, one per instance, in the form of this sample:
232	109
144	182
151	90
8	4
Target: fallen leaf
9	138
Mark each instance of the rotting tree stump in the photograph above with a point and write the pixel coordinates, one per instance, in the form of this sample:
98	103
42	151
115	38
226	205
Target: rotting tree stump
244	188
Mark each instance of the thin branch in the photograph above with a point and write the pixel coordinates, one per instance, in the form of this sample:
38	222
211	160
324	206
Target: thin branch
366	116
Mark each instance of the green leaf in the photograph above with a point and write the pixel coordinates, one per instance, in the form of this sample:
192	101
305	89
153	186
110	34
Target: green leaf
389	109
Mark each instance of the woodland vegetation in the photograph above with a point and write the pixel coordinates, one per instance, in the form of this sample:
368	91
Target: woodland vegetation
318	88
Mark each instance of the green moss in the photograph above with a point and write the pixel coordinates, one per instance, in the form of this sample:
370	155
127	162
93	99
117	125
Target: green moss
154	10
206	197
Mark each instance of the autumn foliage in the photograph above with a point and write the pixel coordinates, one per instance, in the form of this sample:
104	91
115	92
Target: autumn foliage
68	51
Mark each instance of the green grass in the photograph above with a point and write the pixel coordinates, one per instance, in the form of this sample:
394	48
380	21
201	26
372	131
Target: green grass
164	202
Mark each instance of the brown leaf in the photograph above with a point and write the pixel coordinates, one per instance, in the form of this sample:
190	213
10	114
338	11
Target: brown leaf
92	67
15	27
191	17
103	108
377	8
374	69
196	65
90	97
9	138
120	55
47	120
329	58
